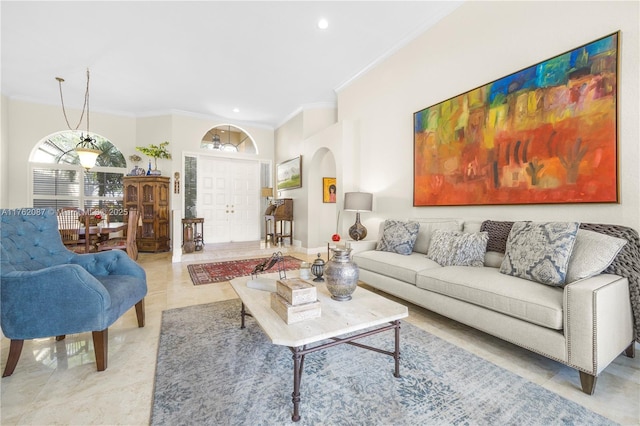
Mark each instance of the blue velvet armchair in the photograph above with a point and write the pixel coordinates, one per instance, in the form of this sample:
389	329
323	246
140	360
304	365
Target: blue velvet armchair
49	291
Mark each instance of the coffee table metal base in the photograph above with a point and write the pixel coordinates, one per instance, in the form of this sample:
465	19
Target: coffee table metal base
300	352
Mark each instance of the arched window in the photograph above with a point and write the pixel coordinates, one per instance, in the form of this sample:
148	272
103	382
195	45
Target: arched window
58	180
228	138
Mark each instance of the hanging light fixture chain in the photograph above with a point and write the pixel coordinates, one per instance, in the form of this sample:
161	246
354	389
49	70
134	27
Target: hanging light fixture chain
86	102
86	149
84	107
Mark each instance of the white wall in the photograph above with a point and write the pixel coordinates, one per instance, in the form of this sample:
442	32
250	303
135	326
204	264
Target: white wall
24	124
476	44
29	123
324	146
4	153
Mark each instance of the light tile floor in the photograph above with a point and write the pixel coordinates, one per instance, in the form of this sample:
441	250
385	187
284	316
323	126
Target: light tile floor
56	382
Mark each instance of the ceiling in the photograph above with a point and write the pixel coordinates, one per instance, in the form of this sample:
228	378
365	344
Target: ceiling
266	58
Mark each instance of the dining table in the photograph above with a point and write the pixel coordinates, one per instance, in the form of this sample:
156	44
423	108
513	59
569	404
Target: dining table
100	232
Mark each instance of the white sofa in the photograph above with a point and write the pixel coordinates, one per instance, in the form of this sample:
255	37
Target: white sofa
585	324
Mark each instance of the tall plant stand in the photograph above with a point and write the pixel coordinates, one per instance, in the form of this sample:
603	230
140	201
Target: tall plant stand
192	234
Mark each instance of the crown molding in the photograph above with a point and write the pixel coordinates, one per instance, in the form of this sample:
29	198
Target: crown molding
306	107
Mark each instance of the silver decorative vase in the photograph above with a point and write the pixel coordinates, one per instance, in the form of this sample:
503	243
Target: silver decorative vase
341	275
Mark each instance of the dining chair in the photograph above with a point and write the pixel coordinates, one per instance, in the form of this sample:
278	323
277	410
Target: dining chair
74	221
127	243
69	225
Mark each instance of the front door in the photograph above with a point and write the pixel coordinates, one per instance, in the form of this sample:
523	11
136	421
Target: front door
229	199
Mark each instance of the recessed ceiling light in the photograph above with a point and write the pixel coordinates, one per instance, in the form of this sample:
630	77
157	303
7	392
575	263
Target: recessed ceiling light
236	110
323	24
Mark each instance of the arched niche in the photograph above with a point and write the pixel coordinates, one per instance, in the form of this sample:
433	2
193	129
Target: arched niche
322	217
228	138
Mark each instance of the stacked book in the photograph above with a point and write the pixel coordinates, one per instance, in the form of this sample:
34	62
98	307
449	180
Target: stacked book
295	300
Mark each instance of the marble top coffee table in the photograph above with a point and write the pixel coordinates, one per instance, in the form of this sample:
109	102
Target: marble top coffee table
367	313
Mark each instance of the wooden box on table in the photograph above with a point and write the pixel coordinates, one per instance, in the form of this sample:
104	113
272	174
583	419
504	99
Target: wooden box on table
294	313
296	291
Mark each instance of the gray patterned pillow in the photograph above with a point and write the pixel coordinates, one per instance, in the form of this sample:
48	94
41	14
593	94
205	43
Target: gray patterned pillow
398	236
449	248
540	251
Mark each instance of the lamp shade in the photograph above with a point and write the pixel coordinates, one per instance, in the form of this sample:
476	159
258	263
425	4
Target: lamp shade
88	157
266	192
358	201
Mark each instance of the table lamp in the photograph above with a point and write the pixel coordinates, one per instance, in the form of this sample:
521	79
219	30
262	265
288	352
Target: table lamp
267	193
358	202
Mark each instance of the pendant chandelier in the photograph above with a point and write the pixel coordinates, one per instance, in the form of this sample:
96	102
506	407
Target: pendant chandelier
86	149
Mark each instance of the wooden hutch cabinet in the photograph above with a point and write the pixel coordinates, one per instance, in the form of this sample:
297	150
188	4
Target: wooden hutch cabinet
150	195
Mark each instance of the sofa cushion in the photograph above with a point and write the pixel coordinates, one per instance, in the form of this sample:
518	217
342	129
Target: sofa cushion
393	265
449	248
540	251
592	253
487	287
427	226
498	234
398	236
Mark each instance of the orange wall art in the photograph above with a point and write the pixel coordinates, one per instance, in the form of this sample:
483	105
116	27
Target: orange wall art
545	134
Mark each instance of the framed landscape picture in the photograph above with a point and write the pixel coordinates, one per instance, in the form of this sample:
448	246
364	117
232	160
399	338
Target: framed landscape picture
289	174
329	189
545	134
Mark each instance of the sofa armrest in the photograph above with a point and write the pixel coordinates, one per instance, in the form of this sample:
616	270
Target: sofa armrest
62	299
598	321
111	262
362	245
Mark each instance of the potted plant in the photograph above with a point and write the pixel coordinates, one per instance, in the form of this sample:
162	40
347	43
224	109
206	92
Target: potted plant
155	152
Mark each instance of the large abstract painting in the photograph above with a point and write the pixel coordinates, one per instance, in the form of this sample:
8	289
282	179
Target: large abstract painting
545	134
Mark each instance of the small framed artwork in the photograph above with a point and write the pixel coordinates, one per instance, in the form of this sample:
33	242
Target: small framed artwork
289	174
329	190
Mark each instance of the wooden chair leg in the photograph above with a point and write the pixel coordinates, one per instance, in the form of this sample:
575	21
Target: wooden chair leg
14	355
100	347
140	312
588	382
631	350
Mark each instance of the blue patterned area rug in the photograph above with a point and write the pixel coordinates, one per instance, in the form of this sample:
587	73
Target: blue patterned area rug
210	372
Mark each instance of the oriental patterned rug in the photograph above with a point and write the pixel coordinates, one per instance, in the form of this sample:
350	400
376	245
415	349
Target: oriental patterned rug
215	272
210	372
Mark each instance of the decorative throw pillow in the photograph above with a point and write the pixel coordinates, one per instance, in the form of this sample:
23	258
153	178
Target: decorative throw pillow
592	253
540	251
398	236
426	230
449	248
498	234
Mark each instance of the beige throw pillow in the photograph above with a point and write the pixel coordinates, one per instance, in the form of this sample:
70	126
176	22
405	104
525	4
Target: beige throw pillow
592	253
